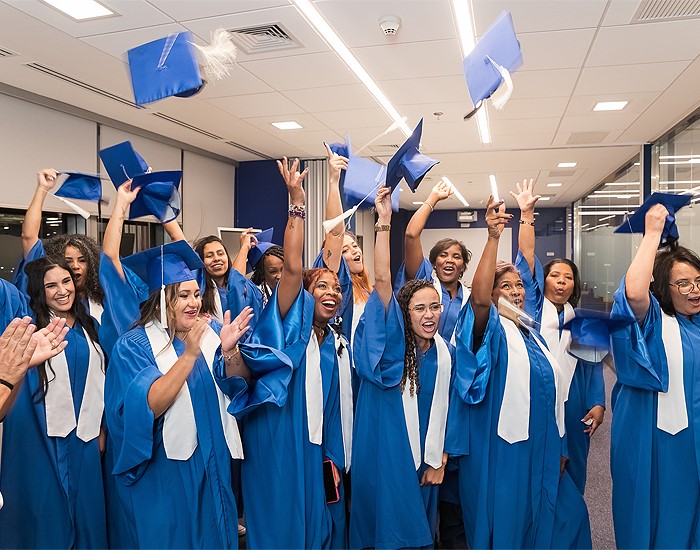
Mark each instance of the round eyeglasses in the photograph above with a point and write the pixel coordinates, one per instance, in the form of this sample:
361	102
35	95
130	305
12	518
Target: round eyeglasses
422	308
686	287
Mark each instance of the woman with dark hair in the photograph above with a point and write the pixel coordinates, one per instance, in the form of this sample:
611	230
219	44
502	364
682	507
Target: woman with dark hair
214	277
552	293
654	451
447	261
506	421
52	478
267	271
172	438
80	252
404	367
297	426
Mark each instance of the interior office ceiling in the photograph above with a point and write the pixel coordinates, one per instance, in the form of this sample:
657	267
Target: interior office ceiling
576	53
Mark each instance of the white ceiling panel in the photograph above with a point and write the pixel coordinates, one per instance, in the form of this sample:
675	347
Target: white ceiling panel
182	10
647	77
516	141
548	107
239	82
646	43
620	12
447	136
308	122
555	50
257	105
357	21
582	105
342	120
117	44
411	91
537	84
517	127
318	100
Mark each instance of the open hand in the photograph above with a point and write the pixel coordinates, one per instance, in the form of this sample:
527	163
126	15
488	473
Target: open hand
293	178
525	195
233	330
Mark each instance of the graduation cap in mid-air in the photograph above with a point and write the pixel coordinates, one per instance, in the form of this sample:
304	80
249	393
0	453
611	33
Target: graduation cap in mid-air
409	163
488	66
636	222
590	333
159	195
257	251
84	186
363	178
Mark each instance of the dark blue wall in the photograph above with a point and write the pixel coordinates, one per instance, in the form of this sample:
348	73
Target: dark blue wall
261	197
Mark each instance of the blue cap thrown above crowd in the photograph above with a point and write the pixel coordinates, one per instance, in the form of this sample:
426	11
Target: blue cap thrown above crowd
590	333
363	178
82	186
164	265
409	163
256	252
159	195
488	66
636	222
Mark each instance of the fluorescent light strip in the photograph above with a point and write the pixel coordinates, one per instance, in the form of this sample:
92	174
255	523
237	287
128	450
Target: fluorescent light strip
494	187
545	198
597	227
80	9
554	184
607	218
622	183
607	212
417	202
567	165
678	181
467	40
675	162
459	195
314	17
666	157
289	125
610	105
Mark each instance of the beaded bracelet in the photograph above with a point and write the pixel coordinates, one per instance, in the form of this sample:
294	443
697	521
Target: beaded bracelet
234	352
297	211
525	222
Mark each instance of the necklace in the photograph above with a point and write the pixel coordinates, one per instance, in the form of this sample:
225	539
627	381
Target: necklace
320	332
178	333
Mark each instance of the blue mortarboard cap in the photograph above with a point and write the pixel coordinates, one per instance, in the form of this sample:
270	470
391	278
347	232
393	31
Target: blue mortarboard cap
590	333
342	149
257	251
409	163
362	180
165	67
81	186
636	222
498	45
122	162
159	195
164	265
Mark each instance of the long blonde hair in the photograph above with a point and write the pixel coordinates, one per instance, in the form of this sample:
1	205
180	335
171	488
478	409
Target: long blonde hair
361	285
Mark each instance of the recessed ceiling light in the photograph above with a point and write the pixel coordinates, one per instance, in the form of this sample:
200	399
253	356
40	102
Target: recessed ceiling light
610	105
567	165
289	125
80	10
545	198
417	202
554	185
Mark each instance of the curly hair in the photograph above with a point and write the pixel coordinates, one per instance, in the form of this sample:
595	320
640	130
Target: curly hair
56	248
36	272
576	292
208	297
665	260
410	365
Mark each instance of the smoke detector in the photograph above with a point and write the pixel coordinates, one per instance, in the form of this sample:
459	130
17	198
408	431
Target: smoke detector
390	24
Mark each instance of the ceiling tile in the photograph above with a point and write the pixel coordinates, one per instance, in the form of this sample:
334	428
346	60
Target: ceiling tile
555	49
411	91
538	84
550	107
647	77
344	120
317	100
201	9
239	82
257	105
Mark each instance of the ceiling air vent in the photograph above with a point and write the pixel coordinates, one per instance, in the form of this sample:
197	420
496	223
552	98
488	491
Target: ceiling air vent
583	138
263	38
188	126
84	85
666	10
248	150
4	52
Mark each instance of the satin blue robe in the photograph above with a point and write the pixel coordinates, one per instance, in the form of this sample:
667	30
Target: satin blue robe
512	495
167	503
241	293
52	486
587	385
12	303
389	508
282	475
656	492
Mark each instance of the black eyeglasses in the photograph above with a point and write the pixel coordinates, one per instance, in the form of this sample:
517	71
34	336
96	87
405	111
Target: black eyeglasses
686	287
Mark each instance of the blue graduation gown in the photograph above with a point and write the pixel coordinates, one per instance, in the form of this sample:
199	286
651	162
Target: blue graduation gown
509	492
167	503
656	493
389	508
241	293
587	385
345	311
12	303
282	475
53	489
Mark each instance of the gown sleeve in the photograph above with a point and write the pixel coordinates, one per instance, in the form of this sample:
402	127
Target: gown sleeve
20	280
533	284
241	293
123	297
12	303
595	392
425	271
640	359
379	344
130	420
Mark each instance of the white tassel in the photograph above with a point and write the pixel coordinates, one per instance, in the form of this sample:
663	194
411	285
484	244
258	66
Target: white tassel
219	55
500	97
77	209
163	309
328	225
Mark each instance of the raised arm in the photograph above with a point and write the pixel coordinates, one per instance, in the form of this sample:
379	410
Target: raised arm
382	249
526	233
174	231
333	244
482	284
638	277
290	283
113	234
247	241
45	182
413	250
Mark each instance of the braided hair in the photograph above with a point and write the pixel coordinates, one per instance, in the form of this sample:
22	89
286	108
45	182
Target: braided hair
410	365
56	248
258	276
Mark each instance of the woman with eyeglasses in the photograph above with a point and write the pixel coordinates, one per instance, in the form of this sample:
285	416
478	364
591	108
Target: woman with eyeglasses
655	442
405	369
506	421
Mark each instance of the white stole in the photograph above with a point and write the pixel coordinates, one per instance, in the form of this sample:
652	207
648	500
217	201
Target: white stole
313	385
345	383
218	313
465	298
514	416
58	401
357	310
179	426
671	413
435	436
95	310
559	344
